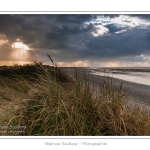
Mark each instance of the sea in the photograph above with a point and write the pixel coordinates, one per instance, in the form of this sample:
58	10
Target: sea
139	75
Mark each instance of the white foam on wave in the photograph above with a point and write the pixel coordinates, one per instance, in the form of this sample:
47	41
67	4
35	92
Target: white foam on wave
136	77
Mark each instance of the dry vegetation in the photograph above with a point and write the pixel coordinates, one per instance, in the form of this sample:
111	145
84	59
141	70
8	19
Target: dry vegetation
49	106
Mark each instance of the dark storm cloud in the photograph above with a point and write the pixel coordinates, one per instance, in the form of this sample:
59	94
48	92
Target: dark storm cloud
133	42
68	37
42	32
113	28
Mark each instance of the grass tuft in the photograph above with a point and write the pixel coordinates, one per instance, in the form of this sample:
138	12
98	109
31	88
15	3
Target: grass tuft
55	104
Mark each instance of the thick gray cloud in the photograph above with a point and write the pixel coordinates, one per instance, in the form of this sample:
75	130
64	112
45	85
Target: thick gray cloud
69	37
133	42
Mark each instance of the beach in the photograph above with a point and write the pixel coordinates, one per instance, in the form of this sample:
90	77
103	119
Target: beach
55	104
138	94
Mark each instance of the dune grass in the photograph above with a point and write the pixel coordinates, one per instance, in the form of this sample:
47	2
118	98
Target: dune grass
76	107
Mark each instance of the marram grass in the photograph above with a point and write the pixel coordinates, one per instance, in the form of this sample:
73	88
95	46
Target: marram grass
77	107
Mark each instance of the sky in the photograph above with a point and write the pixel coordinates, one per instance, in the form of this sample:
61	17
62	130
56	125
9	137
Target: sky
89	40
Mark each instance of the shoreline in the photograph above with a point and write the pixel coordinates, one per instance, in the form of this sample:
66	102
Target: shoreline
138	94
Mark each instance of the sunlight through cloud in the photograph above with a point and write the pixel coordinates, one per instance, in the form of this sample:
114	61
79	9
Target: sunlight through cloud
20	45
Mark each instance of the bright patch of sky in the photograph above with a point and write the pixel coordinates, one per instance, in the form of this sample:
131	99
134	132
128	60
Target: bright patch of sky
128	21
120	21
101	20
121	31
20	45
100	30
